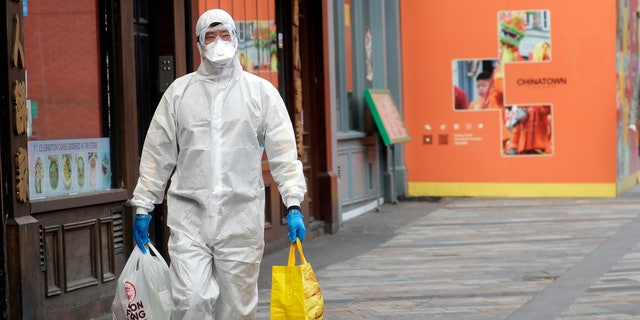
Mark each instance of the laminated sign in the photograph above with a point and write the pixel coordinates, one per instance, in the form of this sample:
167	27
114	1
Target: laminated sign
143	290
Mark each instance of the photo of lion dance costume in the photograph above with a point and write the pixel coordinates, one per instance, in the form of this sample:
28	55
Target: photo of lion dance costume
525	130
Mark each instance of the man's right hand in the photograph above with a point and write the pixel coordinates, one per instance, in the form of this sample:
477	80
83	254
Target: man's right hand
141	231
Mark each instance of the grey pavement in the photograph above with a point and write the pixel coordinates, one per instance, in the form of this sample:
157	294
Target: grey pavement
479	258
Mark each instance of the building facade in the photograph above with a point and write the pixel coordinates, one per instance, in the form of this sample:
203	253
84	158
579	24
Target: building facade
366	55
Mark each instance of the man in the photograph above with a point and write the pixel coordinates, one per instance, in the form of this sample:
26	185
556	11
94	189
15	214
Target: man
208	135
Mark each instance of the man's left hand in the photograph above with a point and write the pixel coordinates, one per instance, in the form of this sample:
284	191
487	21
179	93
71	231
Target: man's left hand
295	221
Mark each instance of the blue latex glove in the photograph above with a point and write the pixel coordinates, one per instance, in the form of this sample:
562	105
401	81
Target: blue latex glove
296	225
141	231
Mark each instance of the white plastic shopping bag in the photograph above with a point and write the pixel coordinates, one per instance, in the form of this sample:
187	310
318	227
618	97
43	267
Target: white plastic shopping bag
143	290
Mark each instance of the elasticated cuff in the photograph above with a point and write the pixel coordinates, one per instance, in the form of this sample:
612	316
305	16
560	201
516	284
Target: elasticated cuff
292	201
142	211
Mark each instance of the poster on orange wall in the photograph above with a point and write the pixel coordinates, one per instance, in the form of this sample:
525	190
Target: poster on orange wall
478	84
512	99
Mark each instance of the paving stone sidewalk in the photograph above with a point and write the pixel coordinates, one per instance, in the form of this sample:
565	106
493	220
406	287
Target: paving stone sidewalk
473	259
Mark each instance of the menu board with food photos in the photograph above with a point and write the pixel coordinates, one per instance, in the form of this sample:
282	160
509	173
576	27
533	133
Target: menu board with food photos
66	167
390	124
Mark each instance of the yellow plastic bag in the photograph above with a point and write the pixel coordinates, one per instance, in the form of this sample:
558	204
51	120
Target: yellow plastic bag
295	293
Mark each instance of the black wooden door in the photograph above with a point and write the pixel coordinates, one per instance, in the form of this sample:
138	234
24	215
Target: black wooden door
147	49
146	55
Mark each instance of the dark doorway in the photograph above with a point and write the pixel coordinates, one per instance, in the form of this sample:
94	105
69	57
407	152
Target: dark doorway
3	274
315	145
154	46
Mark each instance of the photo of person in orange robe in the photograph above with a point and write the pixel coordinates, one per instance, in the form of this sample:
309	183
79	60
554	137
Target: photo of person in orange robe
531	132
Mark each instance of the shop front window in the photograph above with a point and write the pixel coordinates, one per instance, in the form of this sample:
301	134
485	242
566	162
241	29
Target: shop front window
69	144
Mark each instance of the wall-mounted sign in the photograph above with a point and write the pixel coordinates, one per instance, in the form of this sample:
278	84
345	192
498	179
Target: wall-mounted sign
64	167
526	109
384	111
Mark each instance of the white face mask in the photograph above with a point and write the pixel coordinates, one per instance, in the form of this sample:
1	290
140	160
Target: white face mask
223	47
219	52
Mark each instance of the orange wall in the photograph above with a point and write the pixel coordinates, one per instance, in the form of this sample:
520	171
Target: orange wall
584	109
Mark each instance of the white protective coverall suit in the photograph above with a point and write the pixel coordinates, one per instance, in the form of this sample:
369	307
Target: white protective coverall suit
212	127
